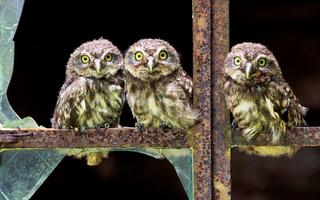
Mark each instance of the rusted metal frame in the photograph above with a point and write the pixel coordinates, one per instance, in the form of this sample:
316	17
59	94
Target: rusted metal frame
202	98
13	137
112	137
299	136
221	134
304	136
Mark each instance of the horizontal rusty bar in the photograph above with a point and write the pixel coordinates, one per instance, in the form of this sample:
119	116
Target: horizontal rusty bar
299	136
112	137
304	136
13	137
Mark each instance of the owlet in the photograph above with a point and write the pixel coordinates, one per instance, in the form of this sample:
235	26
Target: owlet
92	95
259	98
158	90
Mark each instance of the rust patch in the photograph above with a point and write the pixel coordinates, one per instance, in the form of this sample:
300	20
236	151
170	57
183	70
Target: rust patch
202	98
13	137
221	135
112	137
304	136
298	136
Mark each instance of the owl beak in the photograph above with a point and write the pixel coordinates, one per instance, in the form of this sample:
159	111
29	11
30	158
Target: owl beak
248	70
97	66
150	63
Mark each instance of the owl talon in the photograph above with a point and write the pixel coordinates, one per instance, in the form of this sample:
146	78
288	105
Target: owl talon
139	126
106	125
234	124
164	125
77	129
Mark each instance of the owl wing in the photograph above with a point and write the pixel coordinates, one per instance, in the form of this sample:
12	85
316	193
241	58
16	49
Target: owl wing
70	78
185	81
288	106
68	97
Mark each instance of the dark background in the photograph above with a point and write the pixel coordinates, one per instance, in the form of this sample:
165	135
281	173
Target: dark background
50	30
48	33
291	31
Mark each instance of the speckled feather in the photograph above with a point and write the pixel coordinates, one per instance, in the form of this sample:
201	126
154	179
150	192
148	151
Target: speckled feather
87	103
87	100
92	95
264	103
163	95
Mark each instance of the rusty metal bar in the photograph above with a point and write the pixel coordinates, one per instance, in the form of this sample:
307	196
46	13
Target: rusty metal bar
221	135
112	137
299	136
304	136
202	98
12	137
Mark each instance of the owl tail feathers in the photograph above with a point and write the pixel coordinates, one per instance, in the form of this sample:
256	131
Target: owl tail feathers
270	151
304	110
94	159
189	119
93	156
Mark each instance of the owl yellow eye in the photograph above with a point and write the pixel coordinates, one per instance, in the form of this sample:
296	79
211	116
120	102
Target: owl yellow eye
85	59
237	61
163	55
108	57
138	55
262	62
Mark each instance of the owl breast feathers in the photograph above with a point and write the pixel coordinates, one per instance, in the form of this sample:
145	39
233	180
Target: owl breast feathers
258	96
92	95
158	90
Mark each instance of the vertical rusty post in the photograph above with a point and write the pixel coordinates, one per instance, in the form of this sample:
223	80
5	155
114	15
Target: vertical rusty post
221	135
202	98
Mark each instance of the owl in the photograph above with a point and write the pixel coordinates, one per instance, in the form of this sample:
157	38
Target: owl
158	90
92	95
259	98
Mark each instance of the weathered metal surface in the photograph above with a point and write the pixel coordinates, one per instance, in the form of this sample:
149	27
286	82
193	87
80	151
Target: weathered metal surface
13	137
304	136
299	136
202	98
221	135
112	137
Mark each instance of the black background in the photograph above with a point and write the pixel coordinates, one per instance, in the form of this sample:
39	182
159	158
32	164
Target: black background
48	33
50	30
291	31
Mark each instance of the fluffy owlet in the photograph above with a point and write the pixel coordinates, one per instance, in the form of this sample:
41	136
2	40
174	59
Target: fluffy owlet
92	95
259	98
158	90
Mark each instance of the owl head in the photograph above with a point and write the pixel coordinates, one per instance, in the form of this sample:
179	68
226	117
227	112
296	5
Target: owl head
95	59
151	59
251	63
